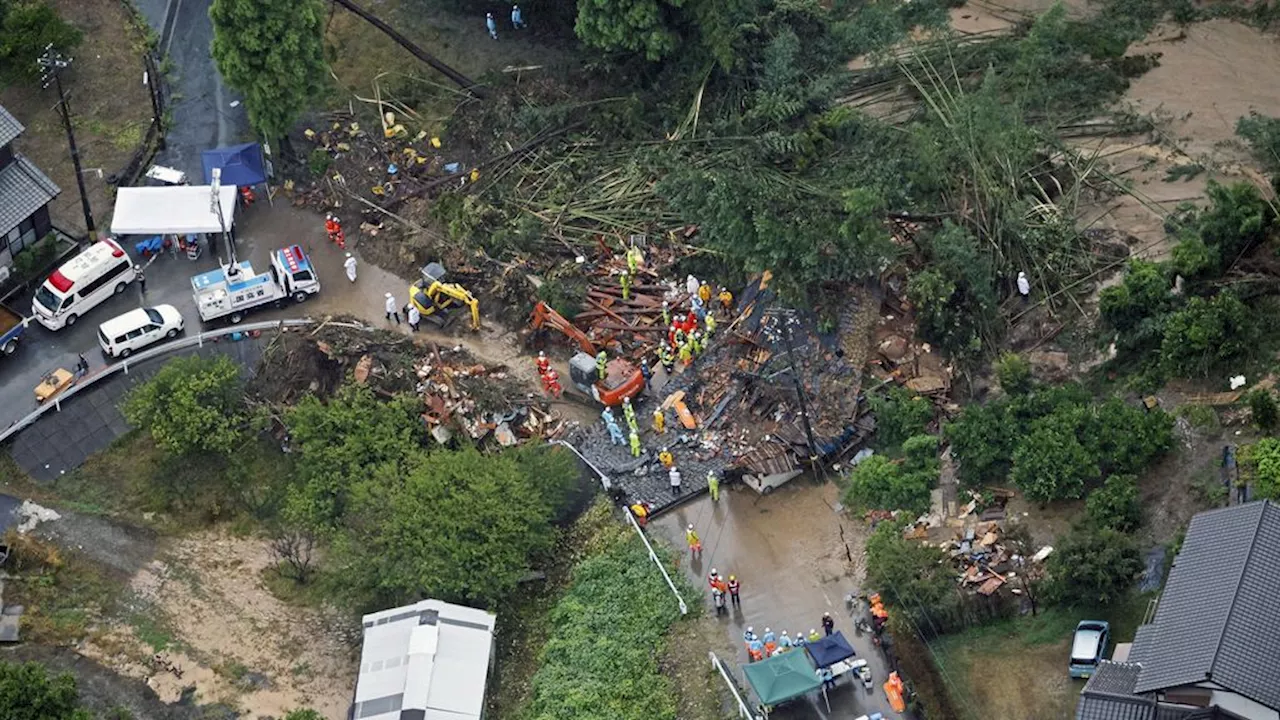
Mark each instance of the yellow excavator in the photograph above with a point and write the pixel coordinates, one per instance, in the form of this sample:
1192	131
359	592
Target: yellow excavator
433	296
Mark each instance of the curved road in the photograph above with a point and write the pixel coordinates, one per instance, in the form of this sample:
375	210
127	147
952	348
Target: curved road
202	118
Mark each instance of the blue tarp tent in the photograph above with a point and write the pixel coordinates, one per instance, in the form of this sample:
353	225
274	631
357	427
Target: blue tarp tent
241	164
829	650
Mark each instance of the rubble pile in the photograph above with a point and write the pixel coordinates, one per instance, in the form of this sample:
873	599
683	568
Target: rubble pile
740	394
900	359
480	401
460	396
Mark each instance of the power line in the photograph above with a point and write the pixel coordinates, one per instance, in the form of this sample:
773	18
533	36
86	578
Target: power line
937	661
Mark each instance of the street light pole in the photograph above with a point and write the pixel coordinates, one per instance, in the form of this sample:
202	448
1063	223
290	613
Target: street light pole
52	63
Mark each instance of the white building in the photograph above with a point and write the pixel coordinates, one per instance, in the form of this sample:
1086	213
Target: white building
427	661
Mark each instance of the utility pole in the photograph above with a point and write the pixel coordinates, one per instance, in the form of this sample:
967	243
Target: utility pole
787	320
52	63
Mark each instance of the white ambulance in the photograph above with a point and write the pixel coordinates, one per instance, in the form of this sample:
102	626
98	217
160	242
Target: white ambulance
82	283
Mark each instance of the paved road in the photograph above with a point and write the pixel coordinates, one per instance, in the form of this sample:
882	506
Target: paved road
203	116
202	119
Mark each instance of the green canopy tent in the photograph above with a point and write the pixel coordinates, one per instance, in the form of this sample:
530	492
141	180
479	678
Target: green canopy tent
782	677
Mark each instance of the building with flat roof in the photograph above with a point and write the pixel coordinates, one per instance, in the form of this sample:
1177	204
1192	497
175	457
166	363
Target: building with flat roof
426	661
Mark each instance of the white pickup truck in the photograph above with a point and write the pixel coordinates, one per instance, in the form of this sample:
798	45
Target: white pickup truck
231	291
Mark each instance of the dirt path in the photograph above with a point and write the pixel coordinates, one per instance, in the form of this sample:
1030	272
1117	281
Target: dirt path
234	641
1230	66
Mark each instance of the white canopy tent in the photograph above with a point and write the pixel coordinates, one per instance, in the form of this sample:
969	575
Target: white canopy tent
176	210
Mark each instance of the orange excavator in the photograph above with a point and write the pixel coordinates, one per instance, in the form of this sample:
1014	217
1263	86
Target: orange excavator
622	379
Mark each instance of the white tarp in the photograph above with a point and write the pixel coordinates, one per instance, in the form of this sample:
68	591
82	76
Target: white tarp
176	210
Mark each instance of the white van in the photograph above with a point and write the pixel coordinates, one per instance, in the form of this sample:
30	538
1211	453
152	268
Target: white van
82	283
123	335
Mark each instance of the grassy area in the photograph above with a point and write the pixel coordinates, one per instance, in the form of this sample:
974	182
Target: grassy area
63	593
1018	668
132	480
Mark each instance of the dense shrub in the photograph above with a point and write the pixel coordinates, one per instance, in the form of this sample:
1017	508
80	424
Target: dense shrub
880	483
1053	441
1262	460
1208	335
193	406
1115	505
900	414
27	692
26	28
1263	408
1092	566
1014	373
601	658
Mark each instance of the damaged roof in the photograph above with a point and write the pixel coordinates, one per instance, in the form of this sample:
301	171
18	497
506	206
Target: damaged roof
1216	619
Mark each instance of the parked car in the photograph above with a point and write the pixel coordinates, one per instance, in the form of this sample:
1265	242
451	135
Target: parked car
1088	646
125	334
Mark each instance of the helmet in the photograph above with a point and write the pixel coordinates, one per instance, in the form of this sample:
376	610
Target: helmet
751	628
767	630
388	294
733	577
812	631
690	526
541	354
784	632
713	571
826	614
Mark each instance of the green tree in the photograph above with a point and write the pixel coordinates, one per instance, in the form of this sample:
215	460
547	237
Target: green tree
982	443
303	714
1115	505
1263	407
1145	293
1050	463
27	692
1262	459
1092	566
880	483
272	52
1014	373
955	295
193	406
640	26
26	28
339	443
1207	335
913	577
1123	438
900	414
457	525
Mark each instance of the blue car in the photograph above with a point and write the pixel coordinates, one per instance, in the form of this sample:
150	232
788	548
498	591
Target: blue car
1088	646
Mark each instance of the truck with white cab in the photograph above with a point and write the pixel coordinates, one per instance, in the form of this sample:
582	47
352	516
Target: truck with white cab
234	290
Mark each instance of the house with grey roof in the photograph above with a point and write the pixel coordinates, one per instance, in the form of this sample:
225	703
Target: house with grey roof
1212	649
25	194
426	661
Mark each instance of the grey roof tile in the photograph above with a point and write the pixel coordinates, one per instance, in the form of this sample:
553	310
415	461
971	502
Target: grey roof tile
1216	618
23	190
1114	707
1113	678
1140	651
10	128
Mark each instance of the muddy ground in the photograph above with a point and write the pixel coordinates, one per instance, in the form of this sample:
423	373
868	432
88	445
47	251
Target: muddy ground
109	104
235	642
796	558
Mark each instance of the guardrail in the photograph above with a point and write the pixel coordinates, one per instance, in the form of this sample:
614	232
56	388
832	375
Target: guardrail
88	381
607	484
744	711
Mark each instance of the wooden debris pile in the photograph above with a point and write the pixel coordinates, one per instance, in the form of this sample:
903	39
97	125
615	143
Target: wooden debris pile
483	402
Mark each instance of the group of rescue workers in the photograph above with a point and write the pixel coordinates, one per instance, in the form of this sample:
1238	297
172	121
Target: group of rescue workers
769	644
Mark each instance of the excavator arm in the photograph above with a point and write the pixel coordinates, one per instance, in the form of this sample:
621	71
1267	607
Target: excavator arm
544	316
458	294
